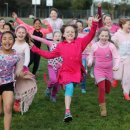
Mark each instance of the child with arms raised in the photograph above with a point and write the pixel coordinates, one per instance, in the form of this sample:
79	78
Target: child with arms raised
70	49
53	65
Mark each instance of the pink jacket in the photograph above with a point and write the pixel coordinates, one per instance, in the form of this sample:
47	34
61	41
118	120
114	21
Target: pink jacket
71	69
30	29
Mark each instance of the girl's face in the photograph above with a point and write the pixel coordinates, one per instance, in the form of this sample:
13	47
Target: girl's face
21	34
80	27
69	33
89	21
104	36
53	15
7	41
37	25
57	36
126	27
2	22
6	28
107	21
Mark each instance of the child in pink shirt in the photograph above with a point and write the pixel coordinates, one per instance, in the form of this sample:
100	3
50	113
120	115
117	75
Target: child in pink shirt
70	49
103	53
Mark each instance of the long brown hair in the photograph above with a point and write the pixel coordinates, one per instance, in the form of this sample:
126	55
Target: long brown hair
103	29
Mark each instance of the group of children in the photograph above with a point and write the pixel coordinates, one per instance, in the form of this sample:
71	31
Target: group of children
71	48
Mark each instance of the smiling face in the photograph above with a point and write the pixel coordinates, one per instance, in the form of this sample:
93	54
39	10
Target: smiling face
69	33
2	22
21	34
53	15
89	21
57	36
7	41
80	27
107	21
6	27
37	25
104	36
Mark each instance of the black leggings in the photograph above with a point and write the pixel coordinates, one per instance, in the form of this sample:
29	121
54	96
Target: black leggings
35	59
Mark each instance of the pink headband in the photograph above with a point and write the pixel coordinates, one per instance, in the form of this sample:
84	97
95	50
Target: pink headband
21	26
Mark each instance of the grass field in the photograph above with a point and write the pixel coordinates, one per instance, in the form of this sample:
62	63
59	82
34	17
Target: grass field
45	115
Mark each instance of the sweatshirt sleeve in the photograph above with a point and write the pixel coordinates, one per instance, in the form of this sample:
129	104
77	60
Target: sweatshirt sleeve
91	55
27	56
47	54
19	21
115	55
43	40
88	38
100	23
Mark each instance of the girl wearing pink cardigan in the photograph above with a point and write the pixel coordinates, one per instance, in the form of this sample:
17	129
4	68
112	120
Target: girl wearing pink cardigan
70	49
103	54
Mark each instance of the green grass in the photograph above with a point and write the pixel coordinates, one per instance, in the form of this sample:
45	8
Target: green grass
45	115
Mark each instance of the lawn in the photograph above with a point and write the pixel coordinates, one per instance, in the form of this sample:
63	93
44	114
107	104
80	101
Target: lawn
45	115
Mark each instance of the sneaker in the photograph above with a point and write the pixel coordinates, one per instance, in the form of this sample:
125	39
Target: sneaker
48	92
68	117
83	91
53	98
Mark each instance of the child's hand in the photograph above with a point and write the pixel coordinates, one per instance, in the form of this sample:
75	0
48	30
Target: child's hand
45	22
96	18
31	44
14	15
99	4
115	68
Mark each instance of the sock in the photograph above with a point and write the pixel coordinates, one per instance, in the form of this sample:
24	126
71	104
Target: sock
67	111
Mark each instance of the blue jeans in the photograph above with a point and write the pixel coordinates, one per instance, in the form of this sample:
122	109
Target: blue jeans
84	81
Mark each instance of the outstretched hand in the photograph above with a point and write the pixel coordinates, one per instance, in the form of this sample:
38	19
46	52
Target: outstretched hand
14	15
96	18
45	22
99	4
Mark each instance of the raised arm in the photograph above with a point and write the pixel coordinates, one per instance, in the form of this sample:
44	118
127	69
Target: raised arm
19	21
88	38
48	29
100	23
42	40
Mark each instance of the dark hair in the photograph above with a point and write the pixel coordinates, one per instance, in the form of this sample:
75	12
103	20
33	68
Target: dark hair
35	20
54	9
73	26
11	21
79	21
10	26
100	31
9	32
123	20
106	15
